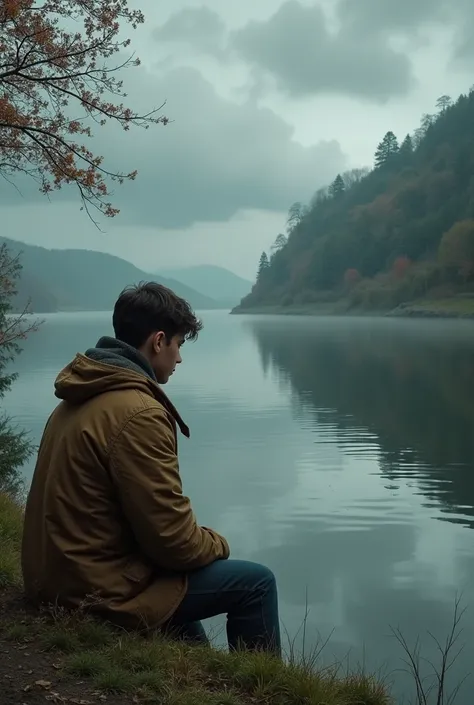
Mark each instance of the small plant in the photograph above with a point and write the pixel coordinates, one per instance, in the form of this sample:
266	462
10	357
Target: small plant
60	639
87	664
136	657
92	634
17	632
433	685
115	680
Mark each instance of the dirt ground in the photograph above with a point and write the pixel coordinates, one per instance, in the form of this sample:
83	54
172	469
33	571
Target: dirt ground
29	675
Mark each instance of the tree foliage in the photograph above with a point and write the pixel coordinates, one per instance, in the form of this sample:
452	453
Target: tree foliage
456	249
401	267
337	188
406	147
15	447
280	242
353	176
443	103
351	277
418	135
386	149
427	121
57	76
295	216
263	265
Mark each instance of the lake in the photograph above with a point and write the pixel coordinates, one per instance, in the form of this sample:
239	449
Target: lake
340	452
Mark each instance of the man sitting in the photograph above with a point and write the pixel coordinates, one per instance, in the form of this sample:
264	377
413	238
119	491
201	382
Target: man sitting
107	526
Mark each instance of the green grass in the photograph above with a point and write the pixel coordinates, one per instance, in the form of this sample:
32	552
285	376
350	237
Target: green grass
448	308
87	664
159	670
458	305
179	673
17	632
383	302
307	309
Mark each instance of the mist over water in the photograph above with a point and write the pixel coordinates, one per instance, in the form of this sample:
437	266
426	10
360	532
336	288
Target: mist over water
340	452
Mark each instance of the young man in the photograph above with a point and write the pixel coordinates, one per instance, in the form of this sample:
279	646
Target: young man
106	523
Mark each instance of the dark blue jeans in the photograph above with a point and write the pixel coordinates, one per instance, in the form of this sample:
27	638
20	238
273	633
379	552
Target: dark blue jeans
245	591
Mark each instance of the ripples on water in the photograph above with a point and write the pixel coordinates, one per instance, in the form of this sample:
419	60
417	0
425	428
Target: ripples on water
339	452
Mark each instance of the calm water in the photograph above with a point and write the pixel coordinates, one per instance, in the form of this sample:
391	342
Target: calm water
338	451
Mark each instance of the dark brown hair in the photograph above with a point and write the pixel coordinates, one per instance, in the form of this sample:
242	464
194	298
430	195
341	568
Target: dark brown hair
149	307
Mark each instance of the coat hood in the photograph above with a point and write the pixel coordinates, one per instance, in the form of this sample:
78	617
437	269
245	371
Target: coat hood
111	366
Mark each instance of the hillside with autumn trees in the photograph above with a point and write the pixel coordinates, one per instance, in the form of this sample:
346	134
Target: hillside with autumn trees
376	239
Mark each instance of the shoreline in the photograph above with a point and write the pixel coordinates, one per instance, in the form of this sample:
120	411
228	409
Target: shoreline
460	309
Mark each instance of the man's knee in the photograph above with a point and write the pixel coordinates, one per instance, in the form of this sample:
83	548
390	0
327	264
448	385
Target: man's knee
268	577
261	577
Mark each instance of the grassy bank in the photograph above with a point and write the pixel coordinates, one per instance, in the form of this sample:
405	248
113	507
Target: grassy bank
310	309
456	307
61	658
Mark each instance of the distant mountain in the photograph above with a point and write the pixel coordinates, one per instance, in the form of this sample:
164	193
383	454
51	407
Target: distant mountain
78	280
33	293
216	282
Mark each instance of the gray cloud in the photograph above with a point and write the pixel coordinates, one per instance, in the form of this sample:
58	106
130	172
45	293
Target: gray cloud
297	49
370	16
409	17
464	49
464	46
199	27
215	159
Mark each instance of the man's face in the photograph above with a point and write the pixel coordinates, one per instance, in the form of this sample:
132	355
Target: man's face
165	355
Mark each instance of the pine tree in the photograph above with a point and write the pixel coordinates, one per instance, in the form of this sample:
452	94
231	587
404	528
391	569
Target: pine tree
337	188
426	121
387	148
15	448
443	103
280	242
418	137
406	147
262	265
295	216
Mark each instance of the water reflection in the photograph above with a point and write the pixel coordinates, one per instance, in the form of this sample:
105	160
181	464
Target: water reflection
406	385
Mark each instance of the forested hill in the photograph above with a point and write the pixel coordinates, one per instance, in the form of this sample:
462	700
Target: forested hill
375	238
82	280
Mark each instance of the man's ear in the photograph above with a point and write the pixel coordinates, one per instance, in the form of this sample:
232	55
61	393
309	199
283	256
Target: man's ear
158	341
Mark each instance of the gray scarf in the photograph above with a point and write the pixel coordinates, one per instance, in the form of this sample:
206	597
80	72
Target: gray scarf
114	352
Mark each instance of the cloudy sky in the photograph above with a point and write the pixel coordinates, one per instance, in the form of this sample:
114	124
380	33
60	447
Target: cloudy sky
269	101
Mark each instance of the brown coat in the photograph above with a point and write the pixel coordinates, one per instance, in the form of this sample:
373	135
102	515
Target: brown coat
106	522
